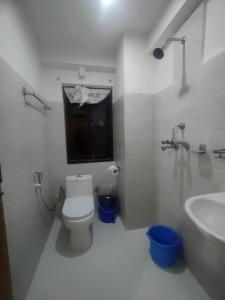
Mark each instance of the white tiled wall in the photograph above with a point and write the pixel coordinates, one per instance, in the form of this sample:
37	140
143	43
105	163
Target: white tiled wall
52	81
134	139
57	159
119	151
152	185
139	166
22	152
31	140
199	102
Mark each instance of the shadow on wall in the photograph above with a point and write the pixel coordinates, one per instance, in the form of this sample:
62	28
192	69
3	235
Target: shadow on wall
182	170
184	85
205	166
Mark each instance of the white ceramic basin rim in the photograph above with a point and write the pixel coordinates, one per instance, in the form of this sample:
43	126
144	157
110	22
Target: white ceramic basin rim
208	213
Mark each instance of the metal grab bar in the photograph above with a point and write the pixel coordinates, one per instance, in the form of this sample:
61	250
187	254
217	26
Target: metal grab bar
27	93
220	153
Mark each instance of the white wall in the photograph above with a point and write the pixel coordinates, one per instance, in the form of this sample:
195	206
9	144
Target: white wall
18	47
120	72
214	31
138	160
165	25
133	129
79	57
175	14
199	103
139	72
22	152
22	148
164	70
138	65
52	80
212	42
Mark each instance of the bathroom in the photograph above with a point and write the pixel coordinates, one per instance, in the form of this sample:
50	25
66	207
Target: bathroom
152	73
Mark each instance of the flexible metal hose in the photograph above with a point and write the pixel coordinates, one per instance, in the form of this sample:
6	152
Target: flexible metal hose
51	209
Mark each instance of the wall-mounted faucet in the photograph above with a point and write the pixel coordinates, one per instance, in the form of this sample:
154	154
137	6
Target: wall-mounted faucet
174	143
169	144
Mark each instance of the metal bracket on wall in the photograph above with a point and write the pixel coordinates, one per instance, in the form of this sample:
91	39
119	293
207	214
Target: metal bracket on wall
202	149
220	153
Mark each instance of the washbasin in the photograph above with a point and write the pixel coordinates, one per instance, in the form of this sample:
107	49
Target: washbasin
207	212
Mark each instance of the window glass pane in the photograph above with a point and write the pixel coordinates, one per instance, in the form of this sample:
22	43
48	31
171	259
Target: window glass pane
89	131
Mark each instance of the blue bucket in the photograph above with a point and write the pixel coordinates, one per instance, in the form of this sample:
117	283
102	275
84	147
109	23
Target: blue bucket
107	208
165	245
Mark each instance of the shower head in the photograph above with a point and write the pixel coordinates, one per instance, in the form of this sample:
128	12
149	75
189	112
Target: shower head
158	53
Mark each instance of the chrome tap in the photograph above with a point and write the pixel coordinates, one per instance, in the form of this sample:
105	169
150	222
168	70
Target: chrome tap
174	143
169	144
163	148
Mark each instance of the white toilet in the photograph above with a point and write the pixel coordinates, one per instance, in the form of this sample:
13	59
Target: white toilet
78	211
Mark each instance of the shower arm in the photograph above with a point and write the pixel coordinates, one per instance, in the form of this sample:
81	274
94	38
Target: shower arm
168	41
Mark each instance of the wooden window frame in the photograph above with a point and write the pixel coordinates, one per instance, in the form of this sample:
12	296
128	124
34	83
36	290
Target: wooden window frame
90	160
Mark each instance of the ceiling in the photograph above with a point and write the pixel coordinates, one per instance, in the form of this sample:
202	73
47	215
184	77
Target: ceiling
86	27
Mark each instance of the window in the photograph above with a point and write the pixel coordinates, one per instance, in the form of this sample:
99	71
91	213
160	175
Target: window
89	136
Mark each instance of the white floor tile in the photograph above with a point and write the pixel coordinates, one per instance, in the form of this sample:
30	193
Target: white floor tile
117	266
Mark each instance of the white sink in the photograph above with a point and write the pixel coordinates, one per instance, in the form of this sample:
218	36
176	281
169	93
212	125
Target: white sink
208	213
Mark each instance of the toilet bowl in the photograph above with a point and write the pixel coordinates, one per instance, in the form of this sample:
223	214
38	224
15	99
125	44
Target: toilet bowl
78	211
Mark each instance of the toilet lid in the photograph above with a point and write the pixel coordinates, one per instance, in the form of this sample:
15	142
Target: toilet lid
78	207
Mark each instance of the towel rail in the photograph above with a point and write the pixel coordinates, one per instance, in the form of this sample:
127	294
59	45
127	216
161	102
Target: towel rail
220	153
42	101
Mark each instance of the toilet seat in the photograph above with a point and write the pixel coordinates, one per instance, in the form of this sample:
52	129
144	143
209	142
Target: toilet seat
78	208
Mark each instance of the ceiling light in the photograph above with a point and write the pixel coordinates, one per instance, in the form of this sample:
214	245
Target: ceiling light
106	2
